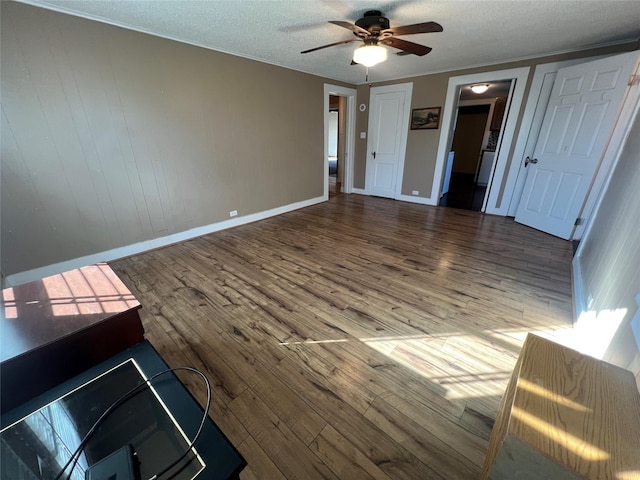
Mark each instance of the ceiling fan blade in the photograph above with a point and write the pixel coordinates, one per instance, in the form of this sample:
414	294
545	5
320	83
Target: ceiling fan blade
405	46
330	45
426	27
350	26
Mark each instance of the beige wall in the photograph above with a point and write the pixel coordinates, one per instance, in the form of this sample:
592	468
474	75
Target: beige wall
430	91
610	255
112	137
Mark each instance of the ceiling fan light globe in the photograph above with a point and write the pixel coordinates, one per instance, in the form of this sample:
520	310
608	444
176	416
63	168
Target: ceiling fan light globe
369	55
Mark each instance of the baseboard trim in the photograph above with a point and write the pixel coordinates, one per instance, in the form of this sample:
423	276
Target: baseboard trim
404	198
412	199
579	306
140	247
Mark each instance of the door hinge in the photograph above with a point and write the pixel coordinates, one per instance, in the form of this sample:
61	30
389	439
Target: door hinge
579	221
633	79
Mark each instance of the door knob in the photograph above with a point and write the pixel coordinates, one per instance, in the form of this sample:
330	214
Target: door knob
374	155
528	160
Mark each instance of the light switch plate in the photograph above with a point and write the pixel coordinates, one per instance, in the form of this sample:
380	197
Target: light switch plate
363	134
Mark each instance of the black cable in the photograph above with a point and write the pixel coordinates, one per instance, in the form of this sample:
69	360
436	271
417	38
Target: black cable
202	422
146	383
126	397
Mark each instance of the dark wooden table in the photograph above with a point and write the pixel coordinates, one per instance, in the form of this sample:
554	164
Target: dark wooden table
54	328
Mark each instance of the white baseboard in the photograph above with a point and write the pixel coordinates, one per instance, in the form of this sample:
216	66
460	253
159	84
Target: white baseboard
404	198
412	199
120	252
579	306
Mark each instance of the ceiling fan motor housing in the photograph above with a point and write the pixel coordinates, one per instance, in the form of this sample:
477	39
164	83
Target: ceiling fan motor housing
373	29
373	21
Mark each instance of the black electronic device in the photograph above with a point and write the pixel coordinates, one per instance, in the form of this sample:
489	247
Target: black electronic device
120	465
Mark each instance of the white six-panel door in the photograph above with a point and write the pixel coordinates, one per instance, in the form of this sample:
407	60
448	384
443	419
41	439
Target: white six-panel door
580	116
388	124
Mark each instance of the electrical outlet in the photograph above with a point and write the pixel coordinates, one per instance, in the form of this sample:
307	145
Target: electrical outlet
233	213
415	192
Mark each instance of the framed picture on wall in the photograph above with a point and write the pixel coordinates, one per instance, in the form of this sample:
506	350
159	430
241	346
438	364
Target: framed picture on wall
425	118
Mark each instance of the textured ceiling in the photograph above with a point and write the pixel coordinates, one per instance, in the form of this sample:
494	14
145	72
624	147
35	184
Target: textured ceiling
478	32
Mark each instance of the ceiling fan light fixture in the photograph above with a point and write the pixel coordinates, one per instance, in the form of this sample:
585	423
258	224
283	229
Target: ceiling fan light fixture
369	55
481	88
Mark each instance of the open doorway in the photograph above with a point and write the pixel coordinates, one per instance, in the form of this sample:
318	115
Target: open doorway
444	158
339	139
335	154
477	127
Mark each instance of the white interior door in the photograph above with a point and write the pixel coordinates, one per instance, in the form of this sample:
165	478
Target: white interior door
388	125
580	116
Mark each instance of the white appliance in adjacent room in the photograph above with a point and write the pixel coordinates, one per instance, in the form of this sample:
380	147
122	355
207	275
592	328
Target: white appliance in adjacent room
484	169
447	173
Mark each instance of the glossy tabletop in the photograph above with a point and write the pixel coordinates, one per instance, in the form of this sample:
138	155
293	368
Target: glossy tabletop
39	437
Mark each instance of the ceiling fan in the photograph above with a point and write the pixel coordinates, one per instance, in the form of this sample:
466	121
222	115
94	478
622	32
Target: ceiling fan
374	30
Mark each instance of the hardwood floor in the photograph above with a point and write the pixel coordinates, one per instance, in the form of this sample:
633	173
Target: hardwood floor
361	338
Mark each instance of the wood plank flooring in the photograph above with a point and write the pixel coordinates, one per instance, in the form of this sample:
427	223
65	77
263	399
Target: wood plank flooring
361	338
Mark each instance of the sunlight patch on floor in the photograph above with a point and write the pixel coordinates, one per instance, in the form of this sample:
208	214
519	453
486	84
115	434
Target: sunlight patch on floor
311	342
475	366
469	366
459	375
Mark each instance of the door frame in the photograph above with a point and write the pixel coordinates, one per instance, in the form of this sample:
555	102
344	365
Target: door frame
407	89
520	75
349	134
